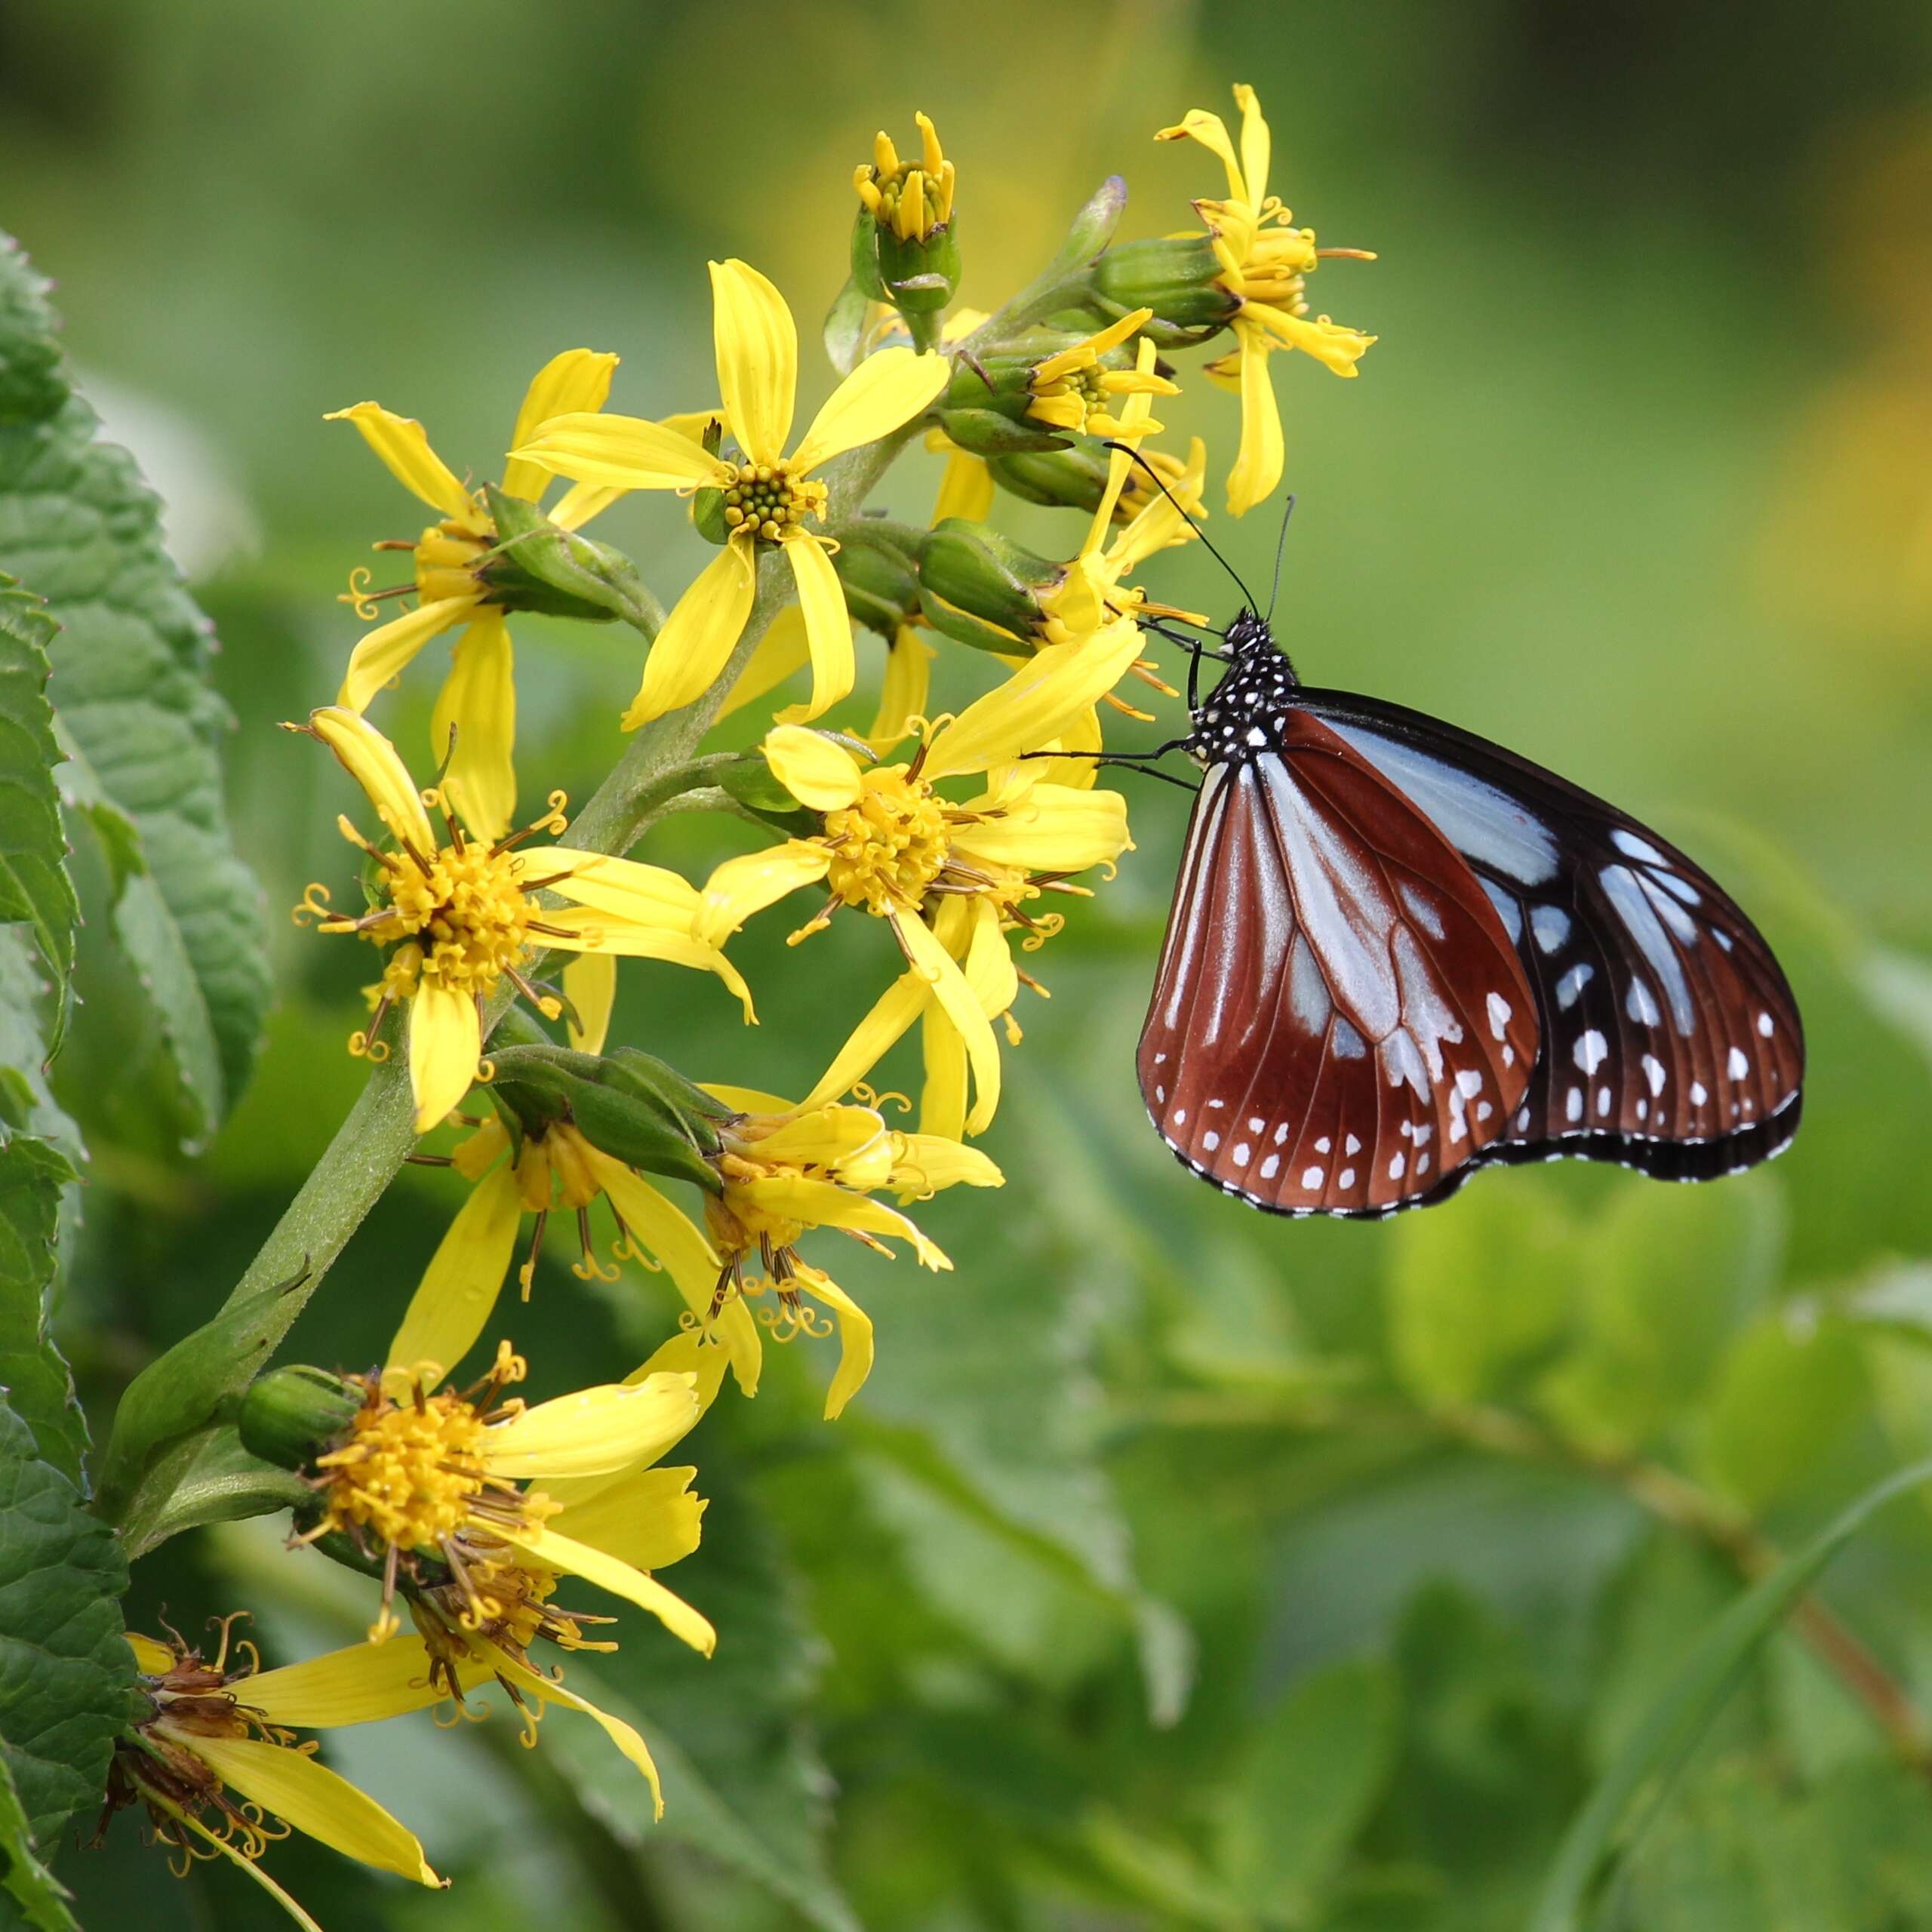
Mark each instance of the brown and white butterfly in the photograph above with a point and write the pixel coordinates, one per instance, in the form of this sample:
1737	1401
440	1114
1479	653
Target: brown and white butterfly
1398	953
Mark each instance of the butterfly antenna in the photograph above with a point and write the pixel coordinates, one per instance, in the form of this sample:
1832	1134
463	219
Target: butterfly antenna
1187	517
1281	547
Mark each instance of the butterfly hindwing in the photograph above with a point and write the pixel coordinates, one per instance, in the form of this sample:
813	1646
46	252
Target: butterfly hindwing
1672	1041
1340	1021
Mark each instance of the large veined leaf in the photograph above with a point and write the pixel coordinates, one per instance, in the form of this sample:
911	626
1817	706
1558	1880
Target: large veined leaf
35	889
32	1375
134	708
38	1899
66	1675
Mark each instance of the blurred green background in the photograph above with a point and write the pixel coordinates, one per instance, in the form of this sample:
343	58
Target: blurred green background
1178	1566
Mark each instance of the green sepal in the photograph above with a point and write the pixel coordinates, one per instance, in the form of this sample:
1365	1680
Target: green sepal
708	516
844	332
964	628
1175	276
976	569
536	566
291	1415
865	257
986	432
919	276
753	784
1069	479
182	1391
1093	228
880	582
631	1107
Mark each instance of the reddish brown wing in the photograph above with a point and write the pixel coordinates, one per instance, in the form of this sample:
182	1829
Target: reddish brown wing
1339	1018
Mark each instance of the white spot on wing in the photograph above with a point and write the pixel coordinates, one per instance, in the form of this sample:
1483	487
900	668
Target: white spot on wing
1654	1072
1420	909
1572	983
1311	1177
1638	848
1736	1065
1271	1167
1499	1010
1551	925
1641	1004
1699	1094
1398	1165
1243	1154
1765	1024
1573	1104
1591	1051
1346	1178
1211	1141
1351	1146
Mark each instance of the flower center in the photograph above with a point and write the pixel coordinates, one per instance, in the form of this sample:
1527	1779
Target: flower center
888	847
466	911
447	557
767	500
409	1471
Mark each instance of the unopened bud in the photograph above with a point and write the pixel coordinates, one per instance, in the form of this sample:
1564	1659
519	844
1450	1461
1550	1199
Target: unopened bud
880	582
904	250
973	578
537	566
291	1416
1177	277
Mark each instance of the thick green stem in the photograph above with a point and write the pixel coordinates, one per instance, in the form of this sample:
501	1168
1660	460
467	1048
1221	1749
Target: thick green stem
659	764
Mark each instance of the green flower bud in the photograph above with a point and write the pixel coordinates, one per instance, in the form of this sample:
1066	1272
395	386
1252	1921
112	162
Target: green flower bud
1177	277
536	566
1070	479
291	1416
971	571
880	582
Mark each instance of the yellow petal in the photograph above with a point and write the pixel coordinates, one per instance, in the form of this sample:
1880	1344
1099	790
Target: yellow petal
697	638
929	1162
690	1351
399	440
156	1659
381	652
590	985
475	1156
632	892
1035	705
855	1339
539	1690
1211	132
821	774
891	1016
371	760
577	381
1081	734
358	1684
745	1100
453	1302
743	886
445	1042
594	1431
681	1249
986	960
941	972
823	1137
648	1519
758	358
1253	145
474	727
966	489
1258	468
884	392
821	1203
315	1801
610	1573
1055	828
580	502
779	652
1337	347
943	1098
828	626
585	928
619	453
908	686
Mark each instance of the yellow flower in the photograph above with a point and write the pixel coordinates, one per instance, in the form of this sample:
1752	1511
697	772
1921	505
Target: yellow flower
950	878
212	1759
1265	261
786	1170
911	199
769	497
477	1500
477	707
461	916
557	1170
1072	391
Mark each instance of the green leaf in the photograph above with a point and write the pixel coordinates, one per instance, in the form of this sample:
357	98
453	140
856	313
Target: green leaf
66	1674
35	889
845	324
1658	1749
179	1391
206	1476
135	707
1320	1761
42	1899
32	1373
743	1781
1787	1389
1473	1293
1666	1277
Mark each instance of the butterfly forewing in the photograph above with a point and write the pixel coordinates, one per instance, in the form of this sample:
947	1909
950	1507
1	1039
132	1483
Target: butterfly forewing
1340	1020
1671	1039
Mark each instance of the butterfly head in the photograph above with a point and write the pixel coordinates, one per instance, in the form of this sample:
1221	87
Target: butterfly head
1241	714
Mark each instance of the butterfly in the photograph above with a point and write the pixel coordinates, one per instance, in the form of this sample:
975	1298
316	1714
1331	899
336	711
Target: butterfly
1398	953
